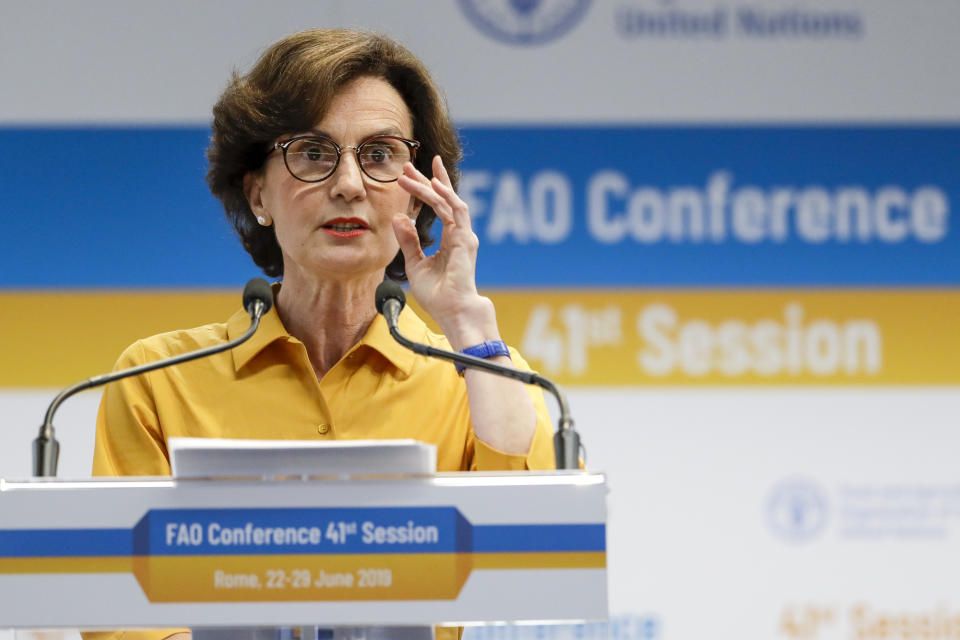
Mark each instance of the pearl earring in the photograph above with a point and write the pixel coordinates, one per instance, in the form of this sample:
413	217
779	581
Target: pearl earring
262	220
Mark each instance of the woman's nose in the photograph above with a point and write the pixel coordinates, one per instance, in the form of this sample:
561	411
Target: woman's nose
348	177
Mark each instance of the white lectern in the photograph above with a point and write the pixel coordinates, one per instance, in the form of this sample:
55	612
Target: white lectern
340	552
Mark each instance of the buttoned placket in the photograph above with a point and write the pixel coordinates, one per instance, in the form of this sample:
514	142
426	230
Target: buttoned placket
324	425
337	379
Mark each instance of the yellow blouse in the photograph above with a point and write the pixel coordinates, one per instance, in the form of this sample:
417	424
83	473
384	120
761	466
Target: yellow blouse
267	389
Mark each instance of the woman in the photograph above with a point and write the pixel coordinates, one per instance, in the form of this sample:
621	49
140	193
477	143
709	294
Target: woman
321	157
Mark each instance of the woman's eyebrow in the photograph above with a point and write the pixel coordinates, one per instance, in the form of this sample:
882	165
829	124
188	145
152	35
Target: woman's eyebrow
385	131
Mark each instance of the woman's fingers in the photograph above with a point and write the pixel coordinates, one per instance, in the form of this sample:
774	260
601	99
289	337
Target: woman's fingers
461	213
451	269
438	193
440	172
417	185
408	239
442	183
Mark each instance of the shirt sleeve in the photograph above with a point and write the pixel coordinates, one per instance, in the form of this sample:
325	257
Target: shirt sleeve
540	457
129	440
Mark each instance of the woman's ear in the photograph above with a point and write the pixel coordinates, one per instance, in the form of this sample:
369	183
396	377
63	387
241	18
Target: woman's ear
253	190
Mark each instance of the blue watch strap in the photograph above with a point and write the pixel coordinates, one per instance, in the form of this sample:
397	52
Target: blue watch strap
488	349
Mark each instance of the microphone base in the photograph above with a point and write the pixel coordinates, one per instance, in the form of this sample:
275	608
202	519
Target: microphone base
46	453
566	446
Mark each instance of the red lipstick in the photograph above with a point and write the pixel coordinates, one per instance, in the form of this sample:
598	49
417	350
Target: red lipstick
345	227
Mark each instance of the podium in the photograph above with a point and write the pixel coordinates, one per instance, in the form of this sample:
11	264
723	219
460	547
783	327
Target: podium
339	552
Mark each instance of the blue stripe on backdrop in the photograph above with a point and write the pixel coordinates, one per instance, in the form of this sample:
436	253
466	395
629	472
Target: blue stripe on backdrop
614	206
113	207
773	204
494	538
64	543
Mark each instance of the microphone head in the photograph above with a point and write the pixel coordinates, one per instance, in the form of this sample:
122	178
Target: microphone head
257	289
389	290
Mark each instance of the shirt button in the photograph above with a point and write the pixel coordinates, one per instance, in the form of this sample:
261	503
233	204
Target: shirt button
323	428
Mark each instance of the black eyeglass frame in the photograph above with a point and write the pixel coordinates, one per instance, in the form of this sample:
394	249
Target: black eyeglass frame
413	145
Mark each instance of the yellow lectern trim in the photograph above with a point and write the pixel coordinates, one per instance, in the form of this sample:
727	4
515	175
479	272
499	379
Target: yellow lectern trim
553	560
288	578
66	565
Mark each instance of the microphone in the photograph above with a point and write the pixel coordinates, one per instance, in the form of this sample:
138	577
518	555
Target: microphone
390	300
257	300
257	291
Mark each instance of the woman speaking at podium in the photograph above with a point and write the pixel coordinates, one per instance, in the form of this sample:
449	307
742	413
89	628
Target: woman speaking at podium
332	157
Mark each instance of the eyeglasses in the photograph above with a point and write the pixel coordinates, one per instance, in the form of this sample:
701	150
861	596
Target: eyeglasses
313	159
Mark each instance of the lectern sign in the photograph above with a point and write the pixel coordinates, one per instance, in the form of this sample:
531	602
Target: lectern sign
301	554
197	544
256	555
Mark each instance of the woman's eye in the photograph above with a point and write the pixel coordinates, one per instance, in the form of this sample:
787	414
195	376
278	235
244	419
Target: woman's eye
377	154
312	151
317	154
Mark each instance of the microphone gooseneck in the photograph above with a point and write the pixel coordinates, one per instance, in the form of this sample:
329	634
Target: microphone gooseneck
390	300
257	300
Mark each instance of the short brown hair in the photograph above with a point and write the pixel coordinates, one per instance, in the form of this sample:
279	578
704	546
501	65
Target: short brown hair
287	91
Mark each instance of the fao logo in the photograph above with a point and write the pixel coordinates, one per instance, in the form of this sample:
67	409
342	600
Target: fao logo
524	22
796	510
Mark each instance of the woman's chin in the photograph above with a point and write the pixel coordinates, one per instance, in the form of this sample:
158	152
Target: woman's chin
342	267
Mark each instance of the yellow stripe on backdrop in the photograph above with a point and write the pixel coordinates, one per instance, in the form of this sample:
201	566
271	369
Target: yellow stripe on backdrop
782	337
612	337
55	338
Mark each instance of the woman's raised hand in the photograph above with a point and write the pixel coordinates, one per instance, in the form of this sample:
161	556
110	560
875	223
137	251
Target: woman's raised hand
445	283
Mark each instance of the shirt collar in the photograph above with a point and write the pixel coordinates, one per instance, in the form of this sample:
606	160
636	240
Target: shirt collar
271	329
377	336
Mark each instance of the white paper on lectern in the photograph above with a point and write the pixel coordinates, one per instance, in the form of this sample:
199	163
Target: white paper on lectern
219	457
